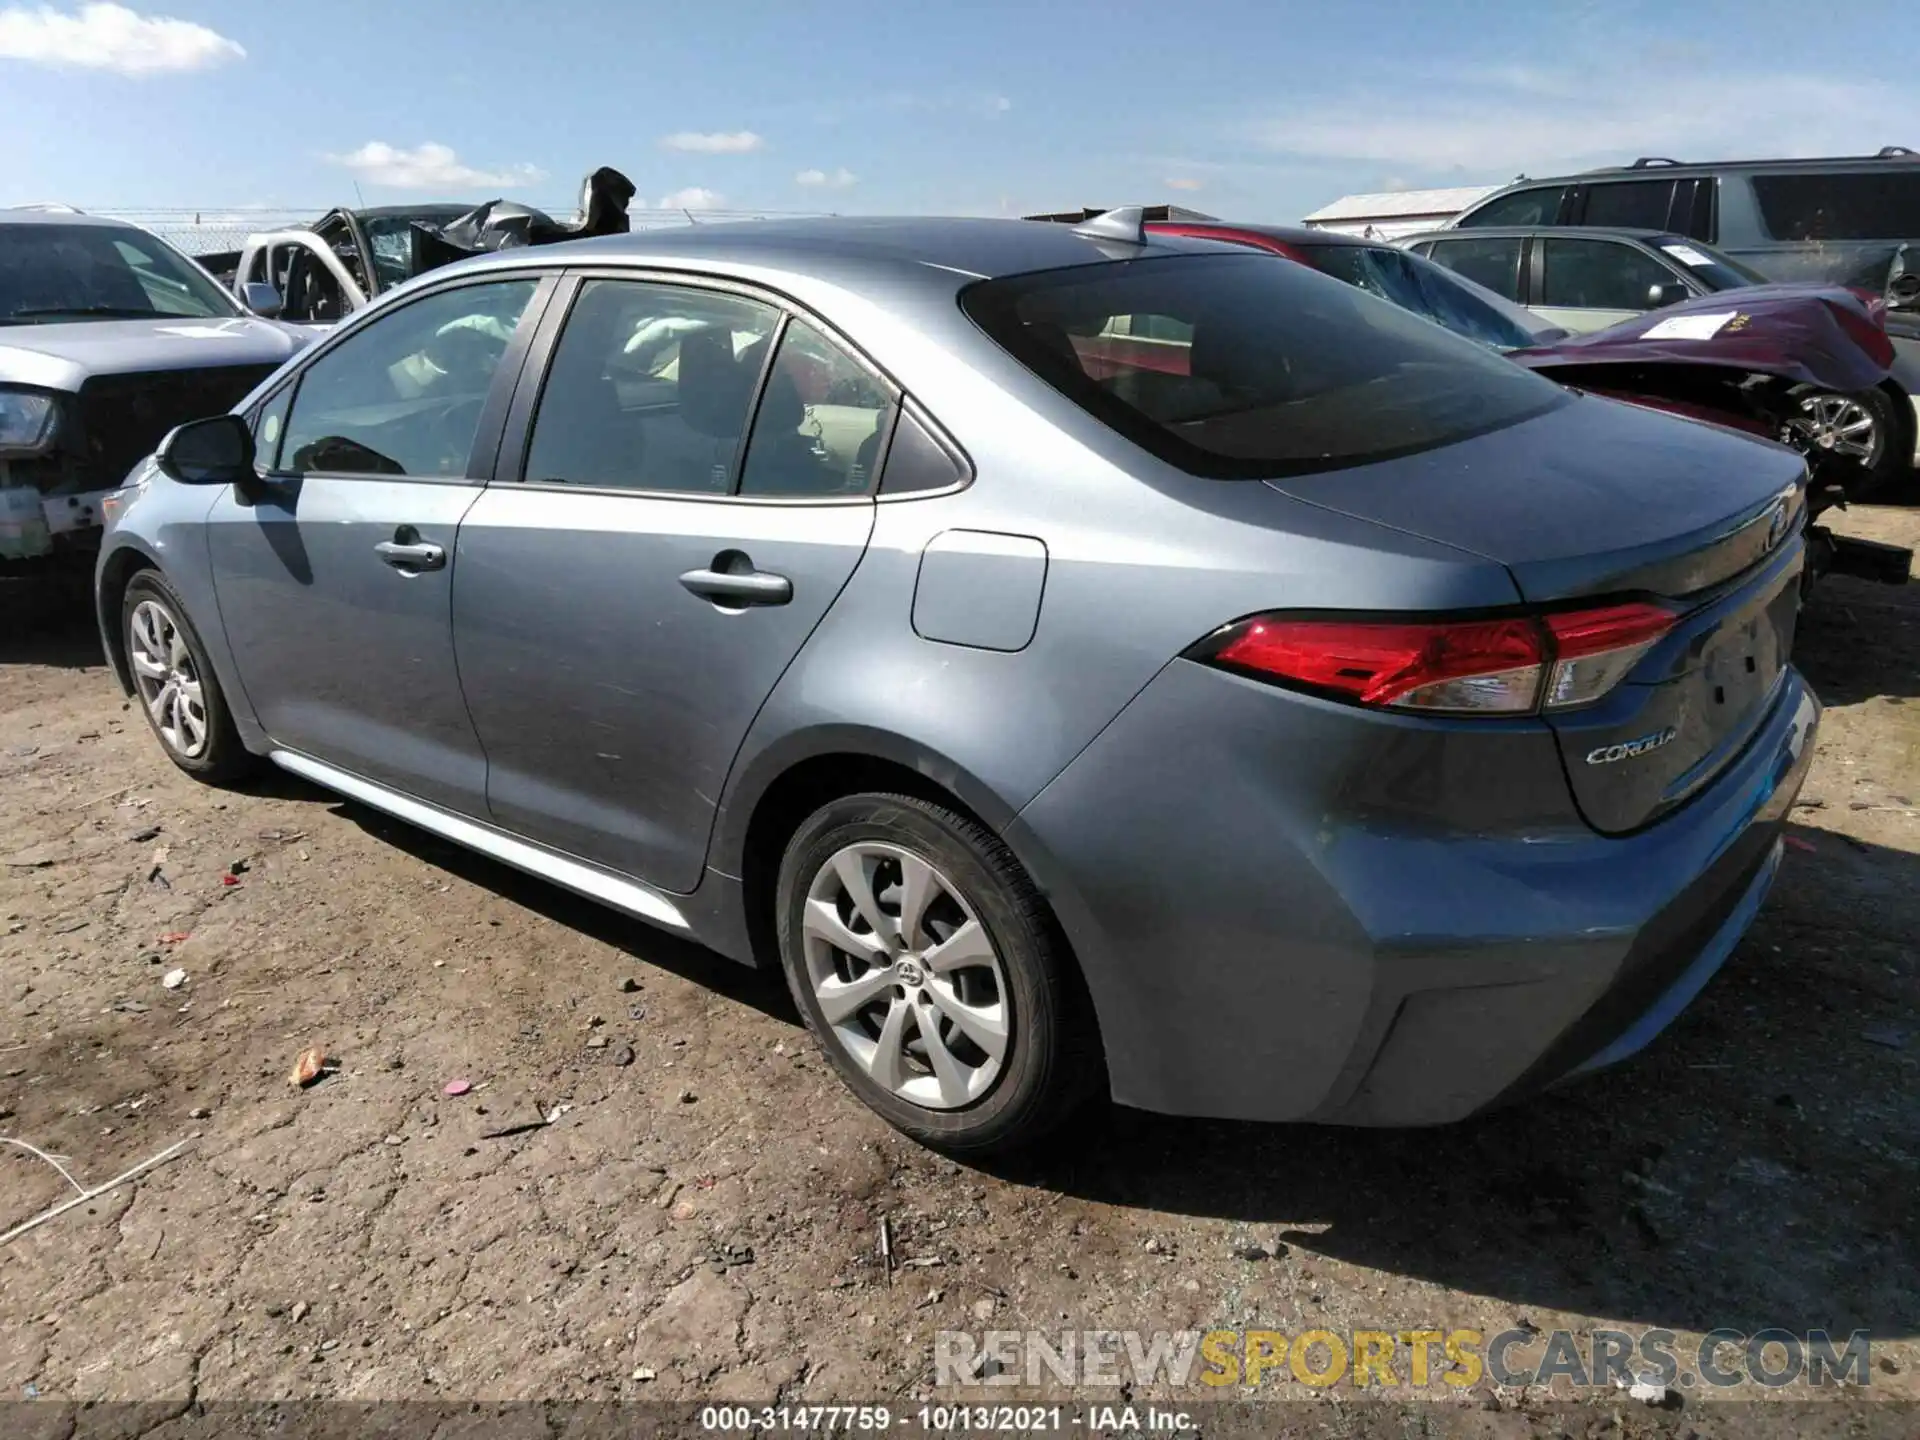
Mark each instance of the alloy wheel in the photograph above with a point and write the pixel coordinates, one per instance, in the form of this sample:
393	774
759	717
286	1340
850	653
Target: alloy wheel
906	977
168	680
1836	424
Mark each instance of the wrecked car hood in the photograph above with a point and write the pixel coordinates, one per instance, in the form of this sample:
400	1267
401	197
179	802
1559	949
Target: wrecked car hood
1815	335
64	357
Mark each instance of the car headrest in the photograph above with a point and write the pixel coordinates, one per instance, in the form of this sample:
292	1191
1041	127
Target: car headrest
713	397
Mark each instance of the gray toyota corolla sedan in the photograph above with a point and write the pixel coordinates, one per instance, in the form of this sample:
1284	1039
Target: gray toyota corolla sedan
1083	660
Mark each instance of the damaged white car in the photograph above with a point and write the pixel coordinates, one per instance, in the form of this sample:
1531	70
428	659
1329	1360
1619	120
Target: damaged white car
108	339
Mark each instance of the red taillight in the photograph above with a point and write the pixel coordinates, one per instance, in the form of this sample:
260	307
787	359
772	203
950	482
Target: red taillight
1509	665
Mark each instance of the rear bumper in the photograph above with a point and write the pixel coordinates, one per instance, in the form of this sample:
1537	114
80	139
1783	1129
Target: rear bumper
1281	954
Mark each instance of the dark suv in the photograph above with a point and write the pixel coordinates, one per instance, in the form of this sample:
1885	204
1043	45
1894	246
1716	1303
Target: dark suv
1842	221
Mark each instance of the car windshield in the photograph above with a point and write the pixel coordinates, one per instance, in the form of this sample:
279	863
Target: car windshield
1431	290
1234	366
61	273
1707	265
390	238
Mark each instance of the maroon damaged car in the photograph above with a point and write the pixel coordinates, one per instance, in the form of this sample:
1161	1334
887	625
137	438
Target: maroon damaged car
1747	359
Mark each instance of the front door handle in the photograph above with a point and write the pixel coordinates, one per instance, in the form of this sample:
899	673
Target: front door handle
738	583
411	555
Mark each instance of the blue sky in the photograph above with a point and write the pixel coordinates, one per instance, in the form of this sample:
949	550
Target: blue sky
1255	109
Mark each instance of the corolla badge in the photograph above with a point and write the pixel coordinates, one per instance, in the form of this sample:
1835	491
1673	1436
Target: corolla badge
1628	749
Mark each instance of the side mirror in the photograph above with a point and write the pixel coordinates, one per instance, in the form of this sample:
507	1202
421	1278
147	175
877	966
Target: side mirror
1903	284
214	451
1667	292
262	299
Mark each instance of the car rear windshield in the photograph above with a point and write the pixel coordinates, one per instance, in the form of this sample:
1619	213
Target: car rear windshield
1234	366
1858	205
1430	290
57	274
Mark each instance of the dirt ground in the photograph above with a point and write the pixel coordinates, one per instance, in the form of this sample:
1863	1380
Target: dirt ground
702	1220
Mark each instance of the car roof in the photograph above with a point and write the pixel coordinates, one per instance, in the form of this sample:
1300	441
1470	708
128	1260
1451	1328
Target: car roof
440	210
37	216
942	252
1660	165
1577	232
1655	166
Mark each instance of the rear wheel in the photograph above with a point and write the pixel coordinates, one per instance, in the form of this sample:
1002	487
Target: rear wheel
176	686
1866	432
929	970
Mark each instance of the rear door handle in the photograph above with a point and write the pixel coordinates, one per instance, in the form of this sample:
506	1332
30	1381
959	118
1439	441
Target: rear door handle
739	587
416	555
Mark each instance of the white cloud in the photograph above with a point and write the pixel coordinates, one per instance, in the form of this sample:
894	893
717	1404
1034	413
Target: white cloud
832	180
713	142
694	197
1494	123
111	37
1184	182
429	166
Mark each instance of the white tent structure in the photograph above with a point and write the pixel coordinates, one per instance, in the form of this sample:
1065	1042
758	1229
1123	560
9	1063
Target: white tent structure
1393	214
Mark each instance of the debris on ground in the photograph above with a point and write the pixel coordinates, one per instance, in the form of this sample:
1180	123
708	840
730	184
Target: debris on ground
643	1374
173	979
621	1056
1885	1035
176	937
457	1088
299	1311
1648	1390
308	1067
86	1194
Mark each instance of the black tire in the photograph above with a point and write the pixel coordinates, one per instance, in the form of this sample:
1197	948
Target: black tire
222	760
1052	1060
1892	460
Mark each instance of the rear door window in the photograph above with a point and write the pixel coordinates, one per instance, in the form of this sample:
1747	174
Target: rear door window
1635	204
1861	205
821	422
1538	206
1493	262
650	388
1285	371
1598	275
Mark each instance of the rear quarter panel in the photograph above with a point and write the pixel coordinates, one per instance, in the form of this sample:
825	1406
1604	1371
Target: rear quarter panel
1142	561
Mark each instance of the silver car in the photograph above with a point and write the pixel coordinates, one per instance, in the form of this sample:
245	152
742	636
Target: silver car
109	338
1086	661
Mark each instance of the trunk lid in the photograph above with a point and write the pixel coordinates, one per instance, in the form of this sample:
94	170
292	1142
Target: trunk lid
1598	501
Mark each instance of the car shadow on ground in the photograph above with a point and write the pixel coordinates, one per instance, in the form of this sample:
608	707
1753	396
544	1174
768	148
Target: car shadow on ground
1856	641
1747	1170
49	621
762	989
